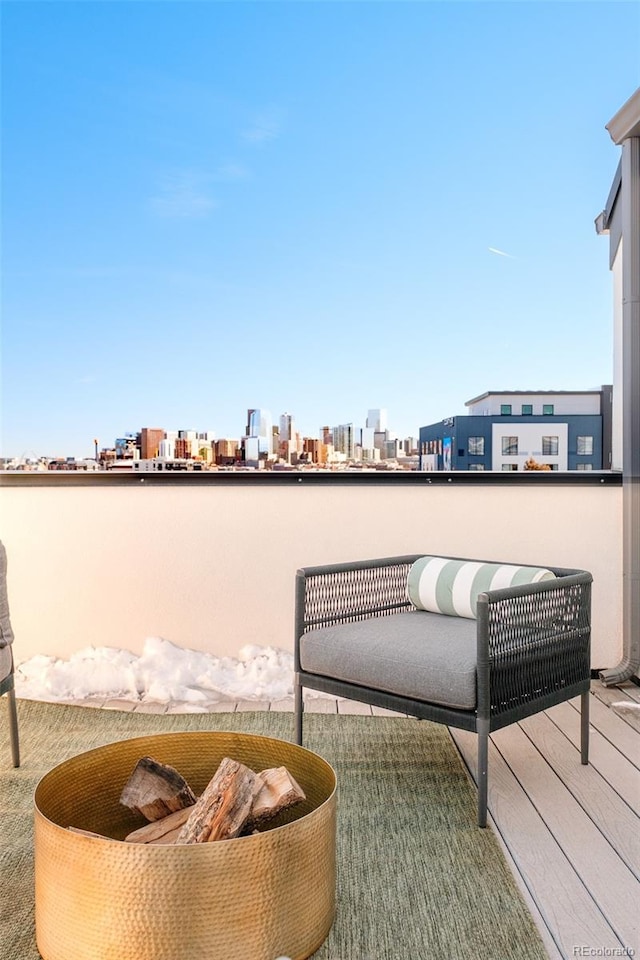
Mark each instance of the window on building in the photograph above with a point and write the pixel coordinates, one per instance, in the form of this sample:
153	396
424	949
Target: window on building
584	466
550	466
509	466
549	446
476	446
476	466
547	409
585	446
509	446
505	409
527	409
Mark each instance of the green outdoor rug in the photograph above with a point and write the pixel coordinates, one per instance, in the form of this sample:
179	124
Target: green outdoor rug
417	879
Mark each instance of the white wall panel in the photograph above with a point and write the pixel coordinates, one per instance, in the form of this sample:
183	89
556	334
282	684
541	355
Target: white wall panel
212	567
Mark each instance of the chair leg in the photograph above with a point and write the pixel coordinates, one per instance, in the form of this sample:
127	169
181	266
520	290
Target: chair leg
13	727
584	727
299	709
483	771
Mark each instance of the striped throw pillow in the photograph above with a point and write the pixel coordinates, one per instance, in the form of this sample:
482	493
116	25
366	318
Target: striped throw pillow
452	586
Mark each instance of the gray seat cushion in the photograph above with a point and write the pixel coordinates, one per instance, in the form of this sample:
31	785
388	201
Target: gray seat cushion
425	656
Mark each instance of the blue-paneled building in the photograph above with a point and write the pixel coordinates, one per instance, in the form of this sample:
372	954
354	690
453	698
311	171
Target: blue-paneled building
504	429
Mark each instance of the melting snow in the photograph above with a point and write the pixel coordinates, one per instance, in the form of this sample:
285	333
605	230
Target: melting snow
163	672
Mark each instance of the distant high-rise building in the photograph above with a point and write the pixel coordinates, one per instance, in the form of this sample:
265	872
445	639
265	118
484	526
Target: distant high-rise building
259	424
287	427
191	442
326	435
126	448
167	449
252	451
377	420
202	446
366	438
182	449
380	438
392	449
226	452
312	448
150	440
368	449
410	445
343	440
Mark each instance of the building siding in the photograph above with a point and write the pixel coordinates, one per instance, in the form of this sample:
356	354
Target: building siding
459	429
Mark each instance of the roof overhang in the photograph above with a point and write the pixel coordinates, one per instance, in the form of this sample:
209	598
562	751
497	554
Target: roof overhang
626	122
534	393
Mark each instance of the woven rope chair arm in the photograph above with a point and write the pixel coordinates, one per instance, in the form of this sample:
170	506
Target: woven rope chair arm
520	619
534	640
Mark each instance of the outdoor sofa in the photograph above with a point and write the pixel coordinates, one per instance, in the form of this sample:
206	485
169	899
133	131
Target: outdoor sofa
476	645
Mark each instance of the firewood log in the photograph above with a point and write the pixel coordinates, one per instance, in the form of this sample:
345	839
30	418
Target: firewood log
278	792
161	831
224	807
155	790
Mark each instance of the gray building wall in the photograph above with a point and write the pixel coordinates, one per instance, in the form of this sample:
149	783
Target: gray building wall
458	430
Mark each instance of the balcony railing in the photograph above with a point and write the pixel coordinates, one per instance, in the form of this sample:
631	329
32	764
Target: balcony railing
208	561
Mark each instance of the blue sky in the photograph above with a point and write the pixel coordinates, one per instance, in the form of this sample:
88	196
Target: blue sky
211	206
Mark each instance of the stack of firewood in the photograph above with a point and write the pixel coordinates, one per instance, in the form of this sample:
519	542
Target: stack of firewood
236	802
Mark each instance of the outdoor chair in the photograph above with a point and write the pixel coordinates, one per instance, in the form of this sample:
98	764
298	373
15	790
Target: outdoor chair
392	633
6	659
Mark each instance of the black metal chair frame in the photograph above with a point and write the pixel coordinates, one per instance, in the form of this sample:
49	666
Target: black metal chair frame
533	646
7	686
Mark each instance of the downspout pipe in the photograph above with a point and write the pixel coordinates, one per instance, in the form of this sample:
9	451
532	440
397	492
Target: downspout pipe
630	198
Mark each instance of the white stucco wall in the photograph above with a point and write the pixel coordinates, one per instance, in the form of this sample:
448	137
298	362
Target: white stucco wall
529	443
616	439
563	404
212	567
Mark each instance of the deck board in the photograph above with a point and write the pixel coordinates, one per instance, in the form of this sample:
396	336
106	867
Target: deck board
571	833
623	700
603	755
631	690
354	707
608	879
320	705
614	728
608	695
614	818
566	906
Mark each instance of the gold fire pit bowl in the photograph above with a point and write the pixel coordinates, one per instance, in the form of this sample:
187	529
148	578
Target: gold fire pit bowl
258	897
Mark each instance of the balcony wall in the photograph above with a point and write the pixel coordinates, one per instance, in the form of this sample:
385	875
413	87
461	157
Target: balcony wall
208	562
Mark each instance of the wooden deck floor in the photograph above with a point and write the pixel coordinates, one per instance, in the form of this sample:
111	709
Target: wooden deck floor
570	833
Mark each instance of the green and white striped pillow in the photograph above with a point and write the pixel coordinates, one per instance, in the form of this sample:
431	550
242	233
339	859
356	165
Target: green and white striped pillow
452	586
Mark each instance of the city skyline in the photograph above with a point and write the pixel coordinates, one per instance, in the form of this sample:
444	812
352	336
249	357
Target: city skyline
283	425
305	204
